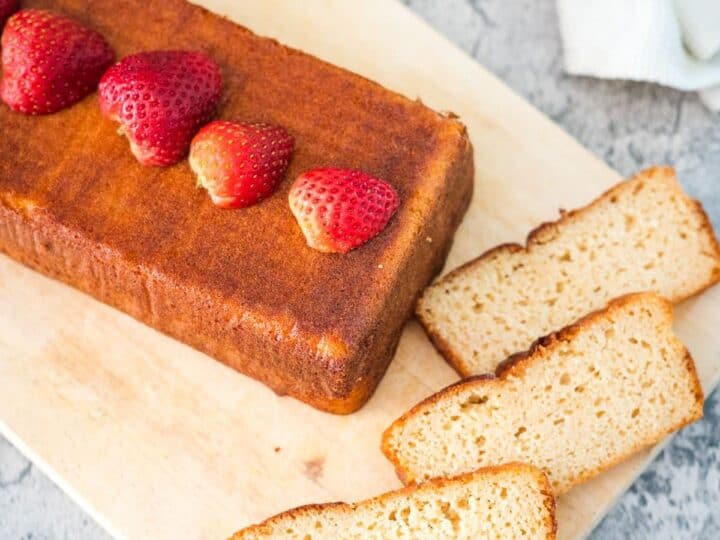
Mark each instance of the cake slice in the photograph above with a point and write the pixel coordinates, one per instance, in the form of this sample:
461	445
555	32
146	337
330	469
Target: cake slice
576	403
240	285
510	501
644	234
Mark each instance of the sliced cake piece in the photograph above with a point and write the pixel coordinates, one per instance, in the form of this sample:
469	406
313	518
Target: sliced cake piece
510	501
644	234
576	403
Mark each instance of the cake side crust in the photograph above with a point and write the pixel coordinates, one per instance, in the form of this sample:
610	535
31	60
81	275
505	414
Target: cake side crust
322	370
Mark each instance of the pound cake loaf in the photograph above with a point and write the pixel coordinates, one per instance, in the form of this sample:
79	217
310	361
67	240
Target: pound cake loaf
240	285
576	403
510	501
644	234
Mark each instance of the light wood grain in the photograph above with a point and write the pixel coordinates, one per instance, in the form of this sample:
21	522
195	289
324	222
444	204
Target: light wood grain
159	441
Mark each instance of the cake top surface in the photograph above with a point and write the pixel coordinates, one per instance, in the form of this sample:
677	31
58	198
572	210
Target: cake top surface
75	167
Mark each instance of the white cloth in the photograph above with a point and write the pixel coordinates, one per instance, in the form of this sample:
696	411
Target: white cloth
672	42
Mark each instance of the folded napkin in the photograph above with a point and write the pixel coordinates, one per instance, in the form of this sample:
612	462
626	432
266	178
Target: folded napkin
674	43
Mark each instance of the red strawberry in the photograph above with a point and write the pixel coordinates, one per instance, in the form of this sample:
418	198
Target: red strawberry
341	209
7	8
239	163
50	61
161	98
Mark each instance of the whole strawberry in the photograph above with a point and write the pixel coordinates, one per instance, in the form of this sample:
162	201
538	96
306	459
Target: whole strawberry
341	209
161	98
49	61
240	163
7	8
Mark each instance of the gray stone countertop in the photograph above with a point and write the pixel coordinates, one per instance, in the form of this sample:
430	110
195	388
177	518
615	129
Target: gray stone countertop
630	126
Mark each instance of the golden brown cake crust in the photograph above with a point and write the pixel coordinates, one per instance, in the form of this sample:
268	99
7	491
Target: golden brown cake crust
239	285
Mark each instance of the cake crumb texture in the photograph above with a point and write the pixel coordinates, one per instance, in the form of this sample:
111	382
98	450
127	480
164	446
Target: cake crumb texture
511	501
644	234
579	401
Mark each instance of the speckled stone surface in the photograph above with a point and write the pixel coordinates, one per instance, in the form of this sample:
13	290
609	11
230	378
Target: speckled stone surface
630	125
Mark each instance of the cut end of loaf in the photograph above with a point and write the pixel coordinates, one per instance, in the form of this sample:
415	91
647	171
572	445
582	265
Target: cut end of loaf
514	500
579	401
644	234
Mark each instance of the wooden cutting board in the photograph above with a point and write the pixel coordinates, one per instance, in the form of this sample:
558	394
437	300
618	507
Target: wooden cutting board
156	440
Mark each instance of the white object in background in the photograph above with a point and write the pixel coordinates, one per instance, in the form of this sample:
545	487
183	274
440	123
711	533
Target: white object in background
700	25
674	43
